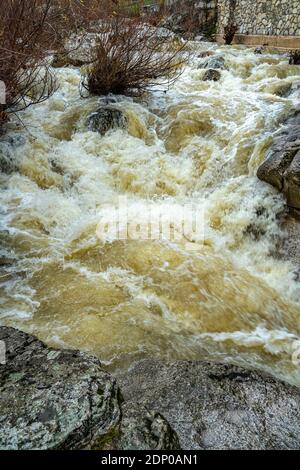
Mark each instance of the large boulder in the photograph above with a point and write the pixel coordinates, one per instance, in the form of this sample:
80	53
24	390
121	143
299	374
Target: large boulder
52	399
105	119
282	165
216	406
62	399
214	62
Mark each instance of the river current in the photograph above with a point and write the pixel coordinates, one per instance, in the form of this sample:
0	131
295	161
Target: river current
229	298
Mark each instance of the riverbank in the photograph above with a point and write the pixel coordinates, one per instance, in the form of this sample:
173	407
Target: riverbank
60	399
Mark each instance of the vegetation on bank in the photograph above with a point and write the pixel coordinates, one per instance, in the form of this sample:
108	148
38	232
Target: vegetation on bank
129	55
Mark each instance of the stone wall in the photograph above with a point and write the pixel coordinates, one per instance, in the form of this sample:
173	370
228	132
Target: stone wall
261	17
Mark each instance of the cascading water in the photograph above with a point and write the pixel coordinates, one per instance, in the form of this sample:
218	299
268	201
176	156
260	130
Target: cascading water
201	142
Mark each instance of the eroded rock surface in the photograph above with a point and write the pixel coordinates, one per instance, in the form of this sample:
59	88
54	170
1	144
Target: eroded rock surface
216	406
211	75
52	399
282	165
144	430
61	399
105	119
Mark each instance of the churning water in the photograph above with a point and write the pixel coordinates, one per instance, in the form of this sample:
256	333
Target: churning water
200	142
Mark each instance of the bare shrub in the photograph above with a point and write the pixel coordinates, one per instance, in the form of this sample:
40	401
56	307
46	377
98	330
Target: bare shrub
130	56
26	34
229	33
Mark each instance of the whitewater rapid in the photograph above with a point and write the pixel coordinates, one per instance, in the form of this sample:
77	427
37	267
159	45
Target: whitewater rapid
231	298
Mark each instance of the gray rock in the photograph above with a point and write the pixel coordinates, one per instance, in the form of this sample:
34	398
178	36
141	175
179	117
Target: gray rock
143	430
53	399
284	90
214	62
259	50
8	144
282	165
211	75
216	406
204	54
289	247
105	119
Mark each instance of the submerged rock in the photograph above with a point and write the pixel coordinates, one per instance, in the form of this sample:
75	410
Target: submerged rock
216	406
214	62
8	144
282	165
53	399
105	119
294	57
259	50
211	75
289	248
204	54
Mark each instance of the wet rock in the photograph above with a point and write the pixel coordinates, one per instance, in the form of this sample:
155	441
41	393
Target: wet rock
284	90
53	399
259	50
8	160
204	54
143	430
216	406
294	57
282	165
214	62
105	119
211	75
289	248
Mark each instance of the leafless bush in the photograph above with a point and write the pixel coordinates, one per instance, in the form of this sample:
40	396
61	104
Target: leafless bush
229	33
29	30
26	34
130	56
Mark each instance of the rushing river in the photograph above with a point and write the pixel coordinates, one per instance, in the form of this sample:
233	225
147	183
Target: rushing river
227	299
